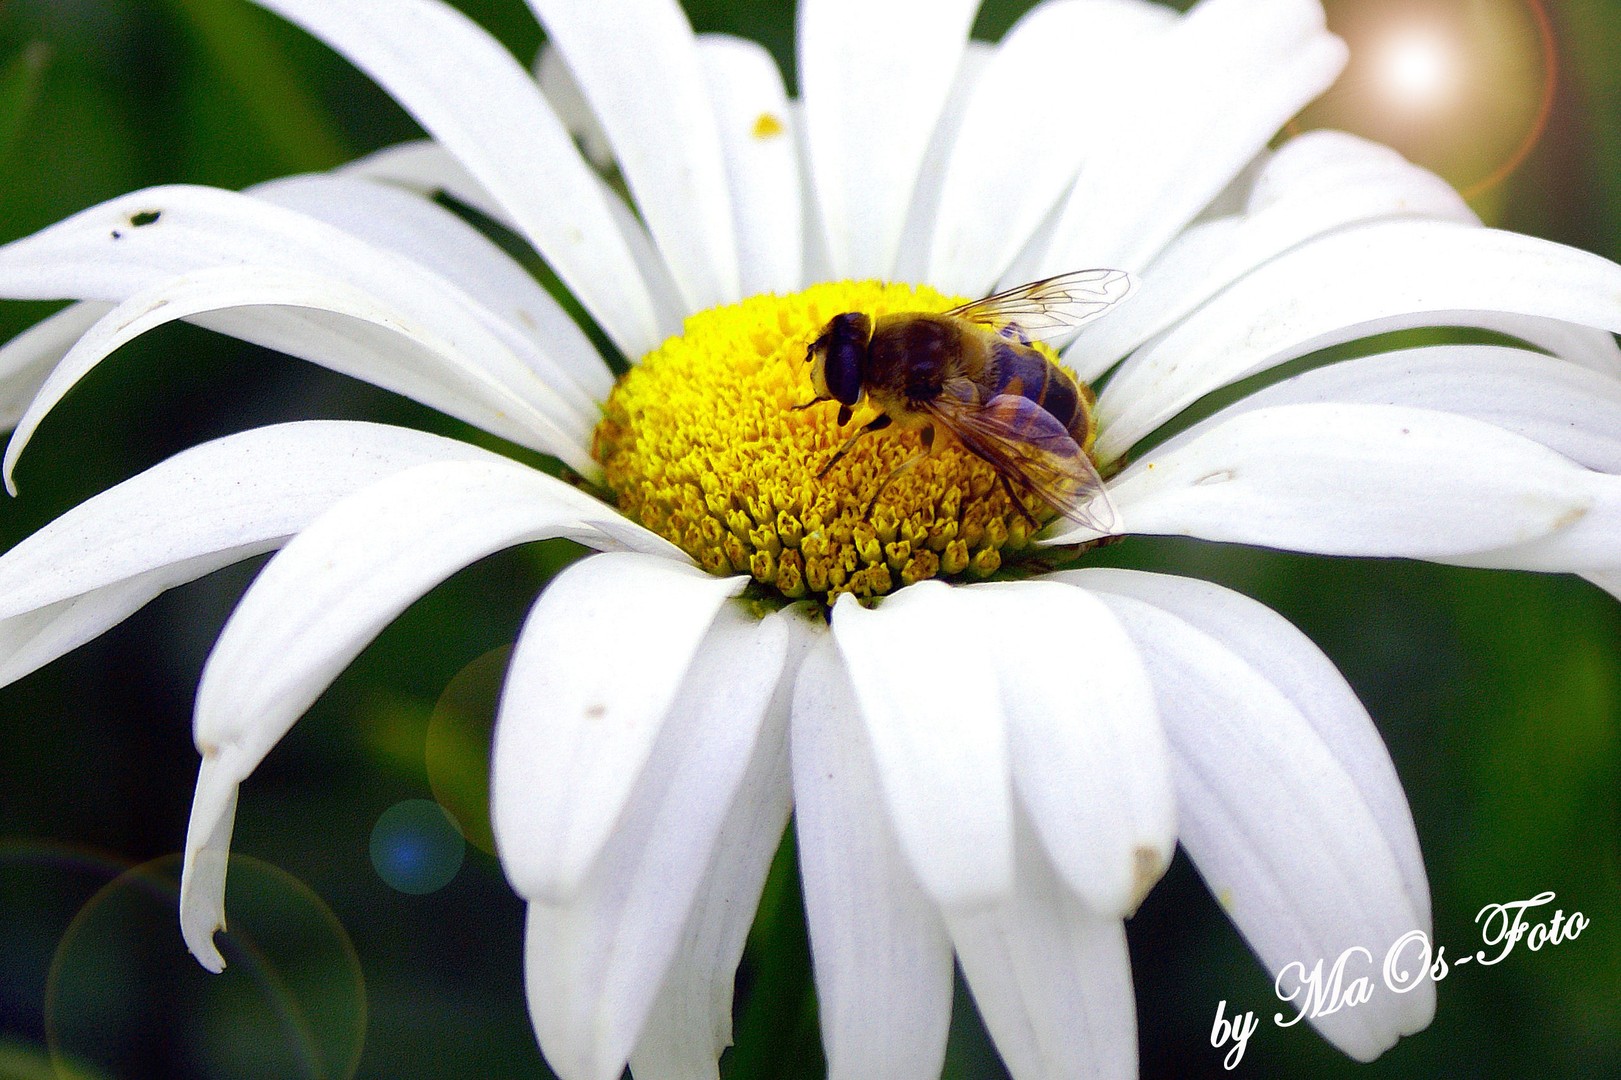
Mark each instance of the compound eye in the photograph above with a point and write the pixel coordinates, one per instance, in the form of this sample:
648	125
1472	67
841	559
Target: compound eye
846	341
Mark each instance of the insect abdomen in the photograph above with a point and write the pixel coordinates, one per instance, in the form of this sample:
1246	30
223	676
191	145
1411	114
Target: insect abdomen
1023	371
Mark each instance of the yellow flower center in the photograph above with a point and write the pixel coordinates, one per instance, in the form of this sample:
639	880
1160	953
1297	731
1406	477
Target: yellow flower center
701	442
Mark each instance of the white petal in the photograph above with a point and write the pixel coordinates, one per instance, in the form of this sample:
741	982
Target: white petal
912	258
1304	171
873	78
594	963
1219	84
668	306
637	64
1378	480
208	853
762	161
563	93
1279	830
880	952
100	254
1609	581
32	639
1350	284
1089	759
335	586
597	664
527	318
1567	408
818	260
199	510
1234	199
691	1021
425	364
1570	409
1031	120
1051	977
1584	345
1590	544
28	358
479	103
1321	181
427	168
938	736
1288	660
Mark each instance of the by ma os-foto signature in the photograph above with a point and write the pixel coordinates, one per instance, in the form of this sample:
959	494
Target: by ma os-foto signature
1350	981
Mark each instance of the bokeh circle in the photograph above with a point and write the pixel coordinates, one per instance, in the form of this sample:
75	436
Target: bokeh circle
123	993
416	847
457	752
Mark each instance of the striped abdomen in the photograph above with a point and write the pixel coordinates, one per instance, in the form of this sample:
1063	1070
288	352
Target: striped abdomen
1024	371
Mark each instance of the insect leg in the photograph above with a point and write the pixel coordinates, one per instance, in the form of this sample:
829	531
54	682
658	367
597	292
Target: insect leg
1013	497
877	424
844	410
928	447
894	474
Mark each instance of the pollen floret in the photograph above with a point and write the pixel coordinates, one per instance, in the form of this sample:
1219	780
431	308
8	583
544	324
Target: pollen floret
702	443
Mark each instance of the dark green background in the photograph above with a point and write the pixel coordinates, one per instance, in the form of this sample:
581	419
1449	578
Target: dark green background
1498	693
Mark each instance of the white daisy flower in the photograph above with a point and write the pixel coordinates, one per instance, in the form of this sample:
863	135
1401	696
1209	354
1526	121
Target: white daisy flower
1004	797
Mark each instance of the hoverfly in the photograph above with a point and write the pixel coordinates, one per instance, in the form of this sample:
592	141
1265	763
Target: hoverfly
971	372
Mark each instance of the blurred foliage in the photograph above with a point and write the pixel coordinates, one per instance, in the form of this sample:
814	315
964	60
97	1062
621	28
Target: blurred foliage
19	90
1499	694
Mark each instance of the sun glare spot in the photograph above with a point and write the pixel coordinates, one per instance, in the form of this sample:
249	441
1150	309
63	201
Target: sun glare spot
1418	69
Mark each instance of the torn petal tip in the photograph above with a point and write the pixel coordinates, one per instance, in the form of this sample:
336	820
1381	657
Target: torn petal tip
201	945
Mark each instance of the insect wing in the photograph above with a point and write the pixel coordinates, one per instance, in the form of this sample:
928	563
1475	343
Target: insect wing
1029	447
1053	306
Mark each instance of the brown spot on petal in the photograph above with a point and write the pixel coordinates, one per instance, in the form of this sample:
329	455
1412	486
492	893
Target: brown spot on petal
1147	869
596	712
1570	517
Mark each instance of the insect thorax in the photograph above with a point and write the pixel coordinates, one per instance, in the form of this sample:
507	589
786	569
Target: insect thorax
916	354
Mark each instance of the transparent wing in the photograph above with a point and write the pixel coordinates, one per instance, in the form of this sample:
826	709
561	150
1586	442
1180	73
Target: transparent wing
1031	450
1053	306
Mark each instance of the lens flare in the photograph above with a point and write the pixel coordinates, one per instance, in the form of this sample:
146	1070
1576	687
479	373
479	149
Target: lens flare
457	752
416	847
1465	90
291	1003
1550	85
1418	69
